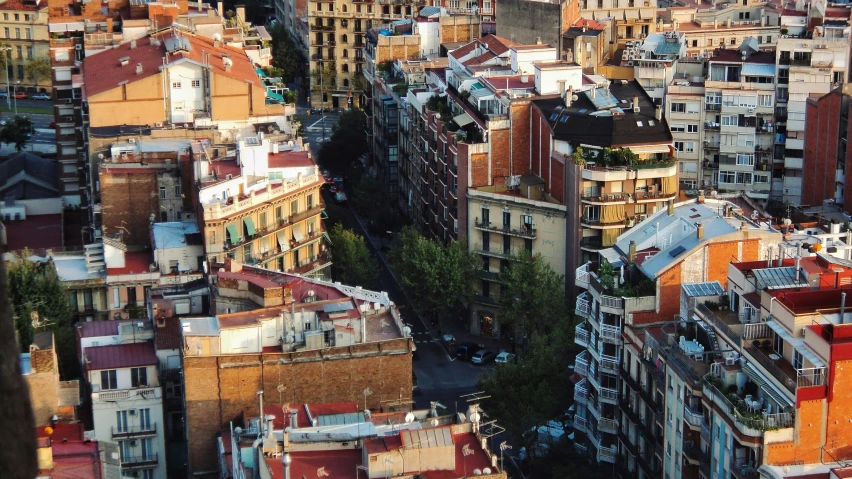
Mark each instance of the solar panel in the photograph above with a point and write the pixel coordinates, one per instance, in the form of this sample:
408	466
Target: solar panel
554	116
675	252
564	119
713	288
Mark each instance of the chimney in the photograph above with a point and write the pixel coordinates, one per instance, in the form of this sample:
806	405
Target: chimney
635	104
241	12
798	271
671	208
842	307
744	226
658	113
769	257
294	419
216	43
632	251
780	256
138	68
220	9
132	44
260	414
701	197
700	231
569	97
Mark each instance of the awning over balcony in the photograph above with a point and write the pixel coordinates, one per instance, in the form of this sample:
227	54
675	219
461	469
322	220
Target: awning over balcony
327	238
463	119
297	233
233	236
249	226
609	236
282	241
612	214
797	343
669	184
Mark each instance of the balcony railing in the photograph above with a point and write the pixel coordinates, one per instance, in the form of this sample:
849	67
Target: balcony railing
610	333
121	394
693	418
607	454
581	363
608	425
139	461
583	306
580	424
772	368
525	231
581	335
581	393
612	302
608	364
582	276
134	431
749	424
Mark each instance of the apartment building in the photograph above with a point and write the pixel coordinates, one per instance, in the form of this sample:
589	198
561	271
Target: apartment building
261	205
690	243
433	445
49	397
812	58
25	32
529	22
627	19
723	122
724	24
83	273
122	388
299	340
826	154
655	60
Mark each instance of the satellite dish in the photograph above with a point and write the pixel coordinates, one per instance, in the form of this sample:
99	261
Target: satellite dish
477	472
406	331
217	37
238	430
434	422
475	417
409	418
461	417
487	470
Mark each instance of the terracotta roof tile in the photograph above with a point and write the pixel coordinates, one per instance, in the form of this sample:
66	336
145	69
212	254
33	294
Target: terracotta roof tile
121	356
498	45
168	336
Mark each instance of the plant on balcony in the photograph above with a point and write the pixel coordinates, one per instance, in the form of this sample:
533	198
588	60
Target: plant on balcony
577	156
606	275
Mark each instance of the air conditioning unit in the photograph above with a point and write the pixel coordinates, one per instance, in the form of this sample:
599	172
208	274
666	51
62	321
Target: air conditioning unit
159	124
803	330
751	110
78	47
133	442
730	361
132	412
68	101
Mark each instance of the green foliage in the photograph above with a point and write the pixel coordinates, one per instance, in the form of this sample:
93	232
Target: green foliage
439	104
577	156
606	275
35	287
17	132
353	264
357	81
287	58
38	69
369	196
533	296
435	276
347	144
561	461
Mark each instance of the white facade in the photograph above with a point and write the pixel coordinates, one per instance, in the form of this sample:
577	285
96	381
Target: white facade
186	91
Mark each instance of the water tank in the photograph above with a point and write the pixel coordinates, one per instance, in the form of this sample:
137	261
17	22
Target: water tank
385	32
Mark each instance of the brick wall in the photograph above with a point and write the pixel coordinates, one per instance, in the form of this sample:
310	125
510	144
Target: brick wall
219	389
43	385
520	137
131	199
669	285
719	256
501	151
821	128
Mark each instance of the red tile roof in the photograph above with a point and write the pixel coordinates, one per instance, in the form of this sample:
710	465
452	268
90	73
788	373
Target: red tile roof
19	5
95	329
383	444
168	336
72	457
104	71
36	232
498	45
290	159
465	50
121	356
332	464
480	59
136	262
247	318
465	465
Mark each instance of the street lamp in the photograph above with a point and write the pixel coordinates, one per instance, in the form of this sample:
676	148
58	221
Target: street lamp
13	93
6	67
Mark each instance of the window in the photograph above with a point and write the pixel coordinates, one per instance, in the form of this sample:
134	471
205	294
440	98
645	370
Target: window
761	178
797	359
261	220
729	120
310	201
778	344
486	215
486	241
116	298
26	18
72	300
678	145
139	377
528	245
294	207
211	237
29	34
19	51
7	32
744	178
177	191
17	17
87	300
678	128
29	53
527	223
176	85
744	159
162	192
121	422
727	177
690	147
109	380
692	128
678	107
6	16
131	296
507	219
196	83
18	33
507	244
764	100
692	108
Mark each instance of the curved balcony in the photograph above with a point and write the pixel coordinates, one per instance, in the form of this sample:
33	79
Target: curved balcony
525	231
606	198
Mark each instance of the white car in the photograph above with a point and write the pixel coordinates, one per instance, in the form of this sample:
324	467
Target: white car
504	358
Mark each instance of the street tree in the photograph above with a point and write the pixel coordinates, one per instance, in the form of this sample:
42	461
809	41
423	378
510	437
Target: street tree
17	132
287	57
347	144
40	303
437	277
353	264
323	80
38	69
532	298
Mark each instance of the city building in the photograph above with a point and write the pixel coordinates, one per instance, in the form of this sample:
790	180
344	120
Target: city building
812	58
723	123
416	443
299	339
178	251
25	34
83	273
65	451
628	19
631	286
529	22
261	205
723	25
825	151
32	209
655	60
608	152
51	399
122	387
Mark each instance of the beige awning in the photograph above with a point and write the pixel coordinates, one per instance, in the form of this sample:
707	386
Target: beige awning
611	214
282	241
297	233
463	119
631	14
608	236
669	184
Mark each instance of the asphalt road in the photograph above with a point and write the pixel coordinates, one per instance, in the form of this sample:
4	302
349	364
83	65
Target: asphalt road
313	125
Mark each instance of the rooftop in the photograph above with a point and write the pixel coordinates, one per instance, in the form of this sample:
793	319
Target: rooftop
136	262
36	232
97	329
604	117
339	464
73	457
73	268
174	234
168	336
26	176
120	356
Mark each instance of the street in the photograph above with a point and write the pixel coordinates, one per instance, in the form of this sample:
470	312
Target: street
313	125
43	134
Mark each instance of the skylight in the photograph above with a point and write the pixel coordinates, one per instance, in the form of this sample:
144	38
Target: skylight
554	116
675	252
564	119
639	124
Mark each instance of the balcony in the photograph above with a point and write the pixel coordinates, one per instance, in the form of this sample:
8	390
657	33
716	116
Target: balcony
124	394
691	453
581	335
592	243
581	278
583	306
134	431
581	424
525	231
581	392
581	363
608	425
303	215
693	418
595	197
608	364
133	462
607	454
610	334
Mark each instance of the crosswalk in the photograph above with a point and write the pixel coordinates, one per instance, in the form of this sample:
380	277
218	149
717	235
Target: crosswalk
421	337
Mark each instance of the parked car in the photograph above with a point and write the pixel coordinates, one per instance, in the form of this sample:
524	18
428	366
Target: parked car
483	356
340	198
39	96
20	95
449	340
504	358
465	351
4	93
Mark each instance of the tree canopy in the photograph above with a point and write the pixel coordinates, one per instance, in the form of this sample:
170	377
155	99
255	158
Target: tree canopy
435	276
353	264
287	57
532	298
348	142
38	69
36	293
17	132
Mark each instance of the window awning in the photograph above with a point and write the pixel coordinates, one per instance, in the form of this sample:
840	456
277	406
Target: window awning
463	119
324	214
233	236
327	238
631	14
297	233
249	226
758	69
282	241
797	343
